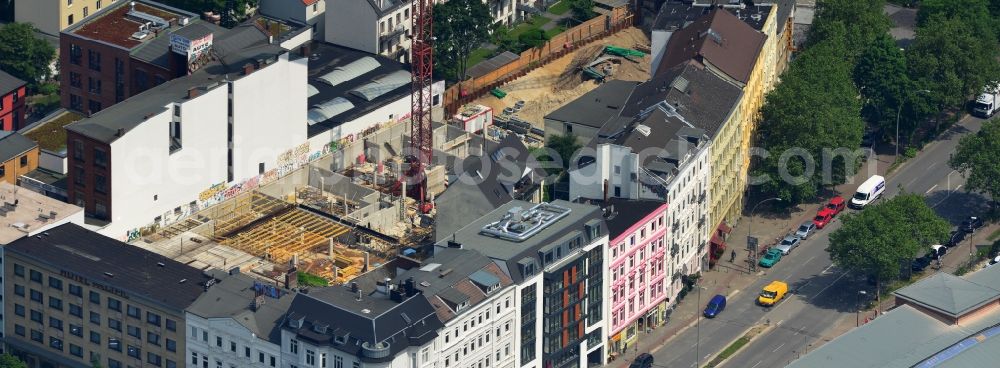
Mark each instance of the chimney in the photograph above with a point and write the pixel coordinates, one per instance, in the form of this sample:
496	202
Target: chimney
292	278
193	92
304	50
248	68
411	287
366	262
329	250
605	190
258	301
354	287
120	132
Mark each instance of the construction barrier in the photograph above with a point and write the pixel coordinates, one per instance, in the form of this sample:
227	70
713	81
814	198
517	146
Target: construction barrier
569	40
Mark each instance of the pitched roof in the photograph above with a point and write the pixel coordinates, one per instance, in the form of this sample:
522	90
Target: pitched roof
949	294
450	277
139	272
594	108
13	145
718	39
232	296
9	82
628	212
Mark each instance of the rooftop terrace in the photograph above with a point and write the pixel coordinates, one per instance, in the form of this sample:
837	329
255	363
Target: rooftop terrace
119	24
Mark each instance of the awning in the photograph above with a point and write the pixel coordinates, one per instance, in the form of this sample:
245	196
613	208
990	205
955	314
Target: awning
724	228
716	239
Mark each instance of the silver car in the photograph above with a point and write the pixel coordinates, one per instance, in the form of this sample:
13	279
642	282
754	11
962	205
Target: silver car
788	243
805	230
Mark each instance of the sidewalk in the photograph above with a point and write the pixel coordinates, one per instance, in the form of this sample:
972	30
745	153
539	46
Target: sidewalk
728	278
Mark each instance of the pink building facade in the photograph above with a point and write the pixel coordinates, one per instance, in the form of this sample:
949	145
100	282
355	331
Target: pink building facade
639	274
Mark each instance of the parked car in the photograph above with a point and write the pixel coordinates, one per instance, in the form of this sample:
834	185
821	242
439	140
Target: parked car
837	205
644	360
938	251
787	244
823	217
770	258
921	263
994	261
971	224
805	229
715	306
956	237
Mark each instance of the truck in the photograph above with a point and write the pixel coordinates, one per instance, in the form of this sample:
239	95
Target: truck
988	102
772	293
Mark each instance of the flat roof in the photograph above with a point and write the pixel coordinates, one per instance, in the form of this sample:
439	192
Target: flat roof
117	265
628	212
486	66
327	57
596	107
28	212
112	25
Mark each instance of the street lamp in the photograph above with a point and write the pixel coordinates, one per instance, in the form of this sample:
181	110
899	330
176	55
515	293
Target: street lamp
861	293
898	111
753	250
697	343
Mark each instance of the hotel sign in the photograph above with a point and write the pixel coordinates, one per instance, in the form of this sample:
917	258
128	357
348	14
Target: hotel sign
97	285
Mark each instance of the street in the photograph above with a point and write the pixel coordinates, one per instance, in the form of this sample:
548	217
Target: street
821	295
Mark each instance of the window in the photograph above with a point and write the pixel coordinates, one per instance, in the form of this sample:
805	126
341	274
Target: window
55	343
171	325
95	298
272	362
338	362
171	364
114	344
36	316
69	20
37	336
75	54
134	352
94	106
76	350
86	12
218	341
134	312
57	324
114	363
293	346
194	359
114	304
152	318
260	357
98	4
55	303
232	346
153	359
94	60
171	345
310	357
36	276
95	337
355	365
94	85
246	351
75	102
134	331
80	176
75	310
75	80
19	330
36	295
175	136
18	290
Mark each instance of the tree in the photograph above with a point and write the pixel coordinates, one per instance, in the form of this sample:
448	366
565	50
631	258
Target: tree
565	146
951	59
532	38
23	55
863	20
880	240
582	10
10	361
812	111
460	26
881	75
976	158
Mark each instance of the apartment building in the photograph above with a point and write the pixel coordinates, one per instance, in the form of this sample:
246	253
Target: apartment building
52	16
475	301
236	323
358	327
309	12
147	160
132	46
76	298
556	255
12	95
18	156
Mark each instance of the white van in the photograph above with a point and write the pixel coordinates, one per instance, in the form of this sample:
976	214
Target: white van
868	192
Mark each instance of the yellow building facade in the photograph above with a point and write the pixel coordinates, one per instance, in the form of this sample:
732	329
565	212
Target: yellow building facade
52	16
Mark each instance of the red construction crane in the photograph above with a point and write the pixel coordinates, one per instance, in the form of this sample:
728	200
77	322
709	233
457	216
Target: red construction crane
422	69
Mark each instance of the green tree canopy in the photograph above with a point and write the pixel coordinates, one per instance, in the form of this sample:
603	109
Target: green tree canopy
814	109
23	55
565	146
10	361
863	20
582	10
881	75
534	37
976	158
877	241
460	26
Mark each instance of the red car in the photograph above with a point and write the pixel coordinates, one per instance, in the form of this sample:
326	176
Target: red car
823	217
836	205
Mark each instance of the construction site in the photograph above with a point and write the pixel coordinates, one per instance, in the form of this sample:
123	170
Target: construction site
529	98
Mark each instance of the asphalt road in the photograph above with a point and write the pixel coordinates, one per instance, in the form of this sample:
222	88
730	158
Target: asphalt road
822	295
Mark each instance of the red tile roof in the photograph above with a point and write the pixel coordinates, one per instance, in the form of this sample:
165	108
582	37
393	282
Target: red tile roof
719	39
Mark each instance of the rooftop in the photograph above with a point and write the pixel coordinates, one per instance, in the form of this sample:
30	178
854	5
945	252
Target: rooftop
119	266
491	64
719	39
950	295
9	82
14	145
628	212
676	14
909	337
32	212
597	107
456	273
513	252
119	24
345	84
233	296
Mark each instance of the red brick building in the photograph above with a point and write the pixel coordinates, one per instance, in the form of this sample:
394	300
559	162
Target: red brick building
11	102
126	49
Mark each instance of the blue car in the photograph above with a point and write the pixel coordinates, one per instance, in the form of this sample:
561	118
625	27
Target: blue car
715	306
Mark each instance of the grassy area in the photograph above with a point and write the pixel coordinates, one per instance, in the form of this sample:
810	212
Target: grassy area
730	350
308	279
536	22
560	8
479	55
51	135
554	31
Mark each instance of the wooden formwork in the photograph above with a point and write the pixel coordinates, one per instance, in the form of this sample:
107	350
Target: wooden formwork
292	232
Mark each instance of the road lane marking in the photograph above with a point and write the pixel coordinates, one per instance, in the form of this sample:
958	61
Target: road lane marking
930	166
959	186
758	363
737	291
779	347
828	286
826	269
810	258
932	188
910	183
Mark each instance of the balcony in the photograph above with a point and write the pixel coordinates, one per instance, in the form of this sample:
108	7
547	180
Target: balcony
395	55
676	248
393	33
701	221
702	196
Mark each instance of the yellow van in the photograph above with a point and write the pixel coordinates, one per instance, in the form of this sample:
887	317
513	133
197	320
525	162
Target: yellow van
772	293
